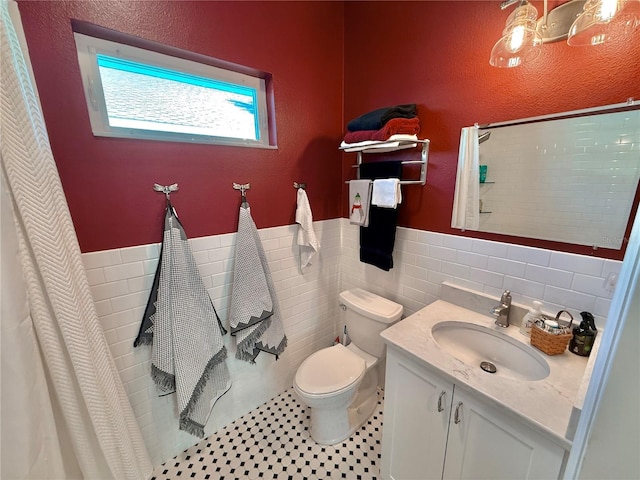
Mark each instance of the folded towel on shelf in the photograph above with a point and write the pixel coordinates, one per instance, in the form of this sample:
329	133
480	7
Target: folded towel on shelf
386	193
307	241
395	142
406	126
254	316
382	147
395	126
378	240
375	119
180	321
393	139
359	202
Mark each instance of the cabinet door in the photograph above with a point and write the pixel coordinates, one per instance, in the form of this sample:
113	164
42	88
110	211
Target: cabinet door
486	444
414	434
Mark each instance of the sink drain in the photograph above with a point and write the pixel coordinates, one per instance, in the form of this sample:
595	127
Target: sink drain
488	367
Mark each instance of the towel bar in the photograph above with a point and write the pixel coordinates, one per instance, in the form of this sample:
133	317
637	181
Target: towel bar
424	155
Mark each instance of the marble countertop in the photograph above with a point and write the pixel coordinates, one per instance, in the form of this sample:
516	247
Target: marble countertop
545	404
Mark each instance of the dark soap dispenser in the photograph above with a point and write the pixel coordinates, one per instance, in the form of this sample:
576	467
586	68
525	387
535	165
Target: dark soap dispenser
584	336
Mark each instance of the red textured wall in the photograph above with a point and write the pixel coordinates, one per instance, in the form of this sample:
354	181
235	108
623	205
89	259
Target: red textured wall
371	54
108	182
436	54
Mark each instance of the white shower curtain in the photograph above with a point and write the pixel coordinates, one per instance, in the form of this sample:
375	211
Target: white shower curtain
65	413
466	201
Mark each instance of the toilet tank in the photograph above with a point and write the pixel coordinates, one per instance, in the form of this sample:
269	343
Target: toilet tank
366	316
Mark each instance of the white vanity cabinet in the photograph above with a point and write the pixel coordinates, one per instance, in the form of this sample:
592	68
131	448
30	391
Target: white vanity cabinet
433	430
417	407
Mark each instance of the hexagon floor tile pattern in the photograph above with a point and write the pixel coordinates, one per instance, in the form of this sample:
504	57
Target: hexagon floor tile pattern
273	442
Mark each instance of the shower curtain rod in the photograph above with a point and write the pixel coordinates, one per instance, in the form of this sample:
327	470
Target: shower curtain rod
628	105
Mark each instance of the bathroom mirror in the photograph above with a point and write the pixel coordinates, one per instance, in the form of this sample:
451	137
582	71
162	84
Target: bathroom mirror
569	178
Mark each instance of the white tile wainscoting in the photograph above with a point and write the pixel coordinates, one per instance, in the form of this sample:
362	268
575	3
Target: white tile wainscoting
424	260
120	280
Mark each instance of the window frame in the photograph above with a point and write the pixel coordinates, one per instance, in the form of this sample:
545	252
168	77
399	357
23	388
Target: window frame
88	47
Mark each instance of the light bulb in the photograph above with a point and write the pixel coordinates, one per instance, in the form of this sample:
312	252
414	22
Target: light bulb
517	38
520	45
607	10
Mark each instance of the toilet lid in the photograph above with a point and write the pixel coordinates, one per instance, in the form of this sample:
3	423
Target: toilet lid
329	370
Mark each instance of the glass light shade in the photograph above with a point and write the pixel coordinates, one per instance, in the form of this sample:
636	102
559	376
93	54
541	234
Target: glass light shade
520	40
525	22
524	11
602	20
605	10
519	45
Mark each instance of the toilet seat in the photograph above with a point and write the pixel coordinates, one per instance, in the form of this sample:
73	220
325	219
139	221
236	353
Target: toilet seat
329	371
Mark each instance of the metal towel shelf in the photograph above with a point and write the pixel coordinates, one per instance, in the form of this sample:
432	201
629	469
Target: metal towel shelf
402	144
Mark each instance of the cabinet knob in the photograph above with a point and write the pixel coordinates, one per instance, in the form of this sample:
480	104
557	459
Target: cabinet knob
442	394
456	416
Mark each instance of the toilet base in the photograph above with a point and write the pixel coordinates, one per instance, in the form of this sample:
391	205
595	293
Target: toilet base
333	425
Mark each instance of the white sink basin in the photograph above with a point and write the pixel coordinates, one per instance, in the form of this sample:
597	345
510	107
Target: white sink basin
474	344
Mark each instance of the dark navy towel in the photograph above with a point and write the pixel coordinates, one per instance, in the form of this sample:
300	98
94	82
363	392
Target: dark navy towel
376	119
378	239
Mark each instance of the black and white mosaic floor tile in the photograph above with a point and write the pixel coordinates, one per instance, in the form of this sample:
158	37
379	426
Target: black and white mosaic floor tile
272	442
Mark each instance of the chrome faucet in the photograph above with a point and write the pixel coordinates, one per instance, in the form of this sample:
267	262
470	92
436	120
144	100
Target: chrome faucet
502	311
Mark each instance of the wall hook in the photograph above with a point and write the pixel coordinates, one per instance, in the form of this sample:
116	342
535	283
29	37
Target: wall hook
166	189
300	185
243	187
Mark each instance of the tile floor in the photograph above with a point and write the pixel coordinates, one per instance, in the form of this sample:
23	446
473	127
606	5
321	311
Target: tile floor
272	442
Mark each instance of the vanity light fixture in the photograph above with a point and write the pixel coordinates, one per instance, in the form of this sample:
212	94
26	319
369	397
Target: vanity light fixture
581	22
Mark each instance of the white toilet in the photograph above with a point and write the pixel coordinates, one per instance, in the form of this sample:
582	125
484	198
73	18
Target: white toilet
340	383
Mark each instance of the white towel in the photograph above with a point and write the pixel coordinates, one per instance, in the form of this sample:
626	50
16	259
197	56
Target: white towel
307	241
366	143
386	193
359	201
382	147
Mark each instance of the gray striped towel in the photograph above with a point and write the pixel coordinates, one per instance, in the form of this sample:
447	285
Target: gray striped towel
180	321
254	316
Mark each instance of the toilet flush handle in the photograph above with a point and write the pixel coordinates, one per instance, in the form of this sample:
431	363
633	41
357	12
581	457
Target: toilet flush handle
343	307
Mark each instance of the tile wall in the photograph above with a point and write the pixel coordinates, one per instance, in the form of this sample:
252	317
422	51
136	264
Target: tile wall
423	260
121	280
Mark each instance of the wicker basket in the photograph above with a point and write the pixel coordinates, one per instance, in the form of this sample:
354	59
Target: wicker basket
550	343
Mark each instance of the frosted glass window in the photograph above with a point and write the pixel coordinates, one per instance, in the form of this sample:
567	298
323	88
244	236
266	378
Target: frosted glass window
137	93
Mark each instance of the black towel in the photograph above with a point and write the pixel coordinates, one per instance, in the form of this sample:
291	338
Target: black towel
376	119
378	239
